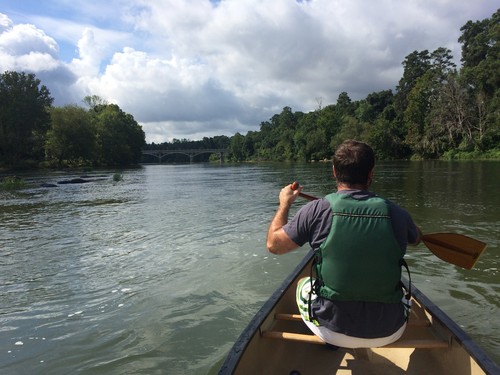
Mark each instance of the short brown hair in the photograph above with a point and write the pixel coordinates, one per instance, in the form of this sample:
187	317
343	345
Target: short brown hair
353	161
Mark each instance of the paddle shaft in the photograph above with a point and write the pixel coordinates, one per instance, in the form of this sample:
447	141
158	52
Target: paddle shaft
295	186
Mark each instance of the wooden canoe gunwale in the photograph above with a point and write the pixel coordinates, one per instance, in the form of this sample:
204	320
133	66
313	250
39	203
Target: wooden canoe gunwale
478	354
438	316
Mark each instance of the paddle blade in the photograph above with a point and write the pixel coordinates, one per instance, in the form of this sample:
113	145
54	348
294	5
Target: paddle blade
455	248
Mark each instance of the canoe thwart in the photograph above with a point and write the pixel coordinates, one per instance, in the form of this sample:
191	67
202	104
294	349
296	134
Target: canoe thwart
313	339
431	343
285	316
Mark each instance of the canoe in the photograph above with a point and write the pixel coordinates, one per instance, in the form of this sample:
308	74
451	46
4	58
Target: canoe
276	341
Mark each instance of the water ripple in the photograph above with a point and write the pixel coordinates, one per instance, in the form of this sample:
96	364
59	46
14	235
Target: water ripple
160	272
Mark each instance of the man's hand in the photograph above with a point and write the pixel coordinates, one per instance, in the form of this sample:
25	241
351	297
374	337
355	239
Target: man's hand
288	196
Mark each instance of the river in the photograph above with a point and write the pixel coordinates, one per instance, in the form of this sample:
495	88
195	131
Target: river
159	272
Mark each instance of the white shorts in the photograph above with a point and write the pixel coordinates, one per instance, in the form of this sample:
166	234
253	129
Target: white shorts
331	337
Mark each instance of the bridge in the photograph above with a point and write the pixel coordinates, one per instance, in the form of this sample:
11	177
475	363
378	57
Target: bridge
191	153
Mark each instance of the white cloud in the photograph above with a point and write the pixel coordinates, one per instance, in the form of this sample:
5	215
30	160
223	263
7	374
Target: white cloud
5	22
90	55
192	68
21	40
24	47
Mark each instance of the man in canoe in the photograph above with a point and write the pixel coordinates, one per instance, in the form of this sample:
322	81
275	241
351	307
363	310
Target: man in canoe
357	299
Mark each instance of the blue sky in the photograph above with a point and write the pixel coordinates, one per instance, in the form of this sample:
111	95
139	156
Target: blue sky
195	68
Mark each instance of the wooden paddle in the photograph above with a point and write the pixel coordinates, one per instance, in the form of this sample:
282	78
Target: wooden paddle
453	248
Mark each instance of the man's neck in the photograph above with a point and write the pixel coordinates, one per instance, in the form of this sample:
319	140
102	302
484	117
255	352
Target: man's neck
341	186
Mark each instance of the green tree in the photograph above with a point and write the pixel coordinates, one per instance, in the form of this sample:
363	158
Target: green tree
416	112
415	65
344	106
477	40
24	117
71	137
251	143
352	128
119	137
480	73
237	148
330	123
285	128
373	106
94	102
423	134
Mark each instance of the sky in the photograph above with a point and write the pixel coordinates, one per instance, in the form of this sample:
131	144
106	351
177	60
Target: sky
188	69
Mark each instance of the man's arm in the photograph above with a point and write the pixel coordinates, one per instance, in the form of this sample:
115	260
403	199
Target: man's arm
278	241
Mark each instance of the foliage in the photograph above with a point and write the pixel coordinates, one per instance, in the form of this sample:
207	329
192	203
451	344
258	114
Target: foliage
480	75
12	183
71	138
471	155
24	117
30	129
119	138
436	111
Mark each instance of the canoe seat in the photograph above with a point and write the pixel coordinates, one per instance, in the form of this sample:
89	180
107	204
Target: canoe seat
418	333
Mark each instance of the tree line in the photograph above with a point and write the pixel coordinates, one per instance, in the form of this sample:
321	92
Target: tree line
33	133
436	111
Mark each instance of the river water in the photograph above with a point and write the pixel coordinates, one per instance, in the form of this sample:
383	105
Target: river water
158	273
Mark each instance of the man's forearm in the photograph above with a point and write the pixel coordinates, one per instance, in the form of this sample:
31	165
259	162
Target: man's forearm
278	241
280	219
275	232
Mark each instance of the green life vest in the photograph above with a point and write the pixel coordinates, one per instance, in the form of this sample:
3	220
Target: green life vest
361	259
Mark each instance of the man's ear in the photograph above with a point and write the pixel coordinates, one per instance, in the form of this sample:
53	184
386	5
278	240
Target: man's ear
334	172
370	176
371	173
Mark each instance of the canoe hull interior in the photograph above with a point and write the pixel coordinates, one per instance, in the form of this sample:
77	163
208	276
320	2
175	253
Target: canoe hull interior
271	344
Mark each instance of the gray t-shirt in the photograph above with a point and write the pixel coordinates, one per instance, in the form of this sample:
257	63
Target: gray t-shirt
311	225
313	221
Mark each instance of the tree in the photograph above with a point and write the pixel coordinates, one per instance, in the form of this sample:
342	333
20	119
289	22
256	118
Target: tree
119	137
71	137
24	117
374	105
385	139
441	64
421	99
352	128
344	106
94	101
475	41
481	64
236	148
415	65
